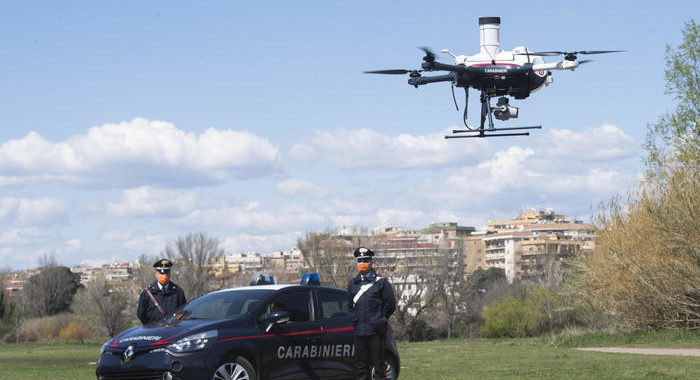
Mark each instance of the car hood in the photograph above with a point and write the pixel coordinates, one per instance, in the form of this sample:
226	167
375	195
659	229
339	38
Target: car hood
162	334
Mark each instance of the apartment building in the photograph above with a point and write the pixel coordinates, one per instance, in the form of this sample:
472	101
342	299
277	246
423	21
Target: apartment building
535	244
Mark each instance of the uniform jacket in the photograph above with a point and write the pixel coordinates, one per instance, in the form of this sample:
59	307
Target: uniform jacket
374	307
169	299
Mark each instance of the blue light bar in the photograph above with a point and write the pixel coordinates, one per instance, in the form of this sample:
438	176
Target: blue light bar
310	279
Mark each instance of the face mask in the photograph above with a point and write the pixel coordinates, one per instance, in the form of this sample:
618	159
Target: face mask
163	279
363	267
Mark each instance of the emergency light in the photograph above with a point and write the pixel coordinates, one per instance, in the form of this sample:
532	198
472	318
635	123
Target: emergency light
310	279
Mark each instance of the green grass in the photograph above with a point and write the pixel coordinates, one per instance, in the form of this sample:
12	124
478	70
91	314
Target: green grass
532	358
535	359
656	339
61	361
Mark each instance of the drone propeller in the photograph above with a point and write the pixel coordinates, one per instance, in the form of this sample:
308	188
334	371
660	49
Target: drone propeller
414	73
569	56
429	55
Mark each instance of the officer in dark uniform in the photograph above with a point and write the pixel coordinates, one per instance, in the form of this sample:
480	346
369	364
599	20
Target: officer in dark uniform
161	297
372	302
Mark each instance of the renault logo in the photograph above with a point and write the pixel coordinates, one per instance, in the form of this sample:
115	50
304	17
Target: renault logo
128	354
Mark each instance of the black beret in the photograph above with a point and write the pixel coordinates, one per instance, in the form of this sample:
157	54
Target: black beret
162	264
362	253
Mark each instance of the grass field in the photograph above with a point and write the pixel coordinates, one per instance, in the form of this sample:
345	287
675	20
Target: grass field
536	358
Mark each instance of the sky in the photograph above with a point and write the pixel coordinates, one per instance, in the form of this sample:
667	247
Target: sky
125	125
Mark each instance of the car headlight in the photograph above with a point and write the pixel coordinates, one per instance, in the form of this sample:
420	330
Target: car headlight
104	346
196	342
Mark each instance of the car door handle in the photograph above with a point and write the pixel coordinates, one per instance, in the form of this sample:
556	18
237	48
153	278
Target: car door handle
313	340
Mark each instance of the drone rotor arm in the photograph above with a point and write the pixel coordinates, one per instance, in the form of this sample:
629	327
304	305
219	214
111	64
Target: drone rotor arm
391	71
419	81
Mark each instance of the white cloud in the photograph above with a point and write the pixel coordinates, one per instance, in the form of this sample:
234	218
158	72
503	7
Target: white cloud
507	169
365	148
595	181
6	253
302	152
147	201
255	219
25	211
298	187
115	235
128	152
25	236
395	217
243	243
606	142
150	244
552	170
72	245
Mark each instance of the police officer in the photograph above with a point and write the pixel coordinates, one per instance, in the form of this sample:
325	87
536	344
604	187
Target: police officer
372	302
161	297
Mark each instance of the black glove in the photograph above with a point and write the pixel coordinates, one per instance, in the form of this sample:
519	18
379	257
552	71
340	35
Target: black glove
380	327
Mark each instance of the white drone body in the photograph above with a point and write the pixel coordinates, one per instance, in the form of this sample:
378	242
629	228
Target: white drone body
491	53
494	72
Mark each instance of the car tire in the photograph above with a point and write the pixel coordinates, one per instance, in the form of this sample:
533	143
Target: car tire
234	368
390	364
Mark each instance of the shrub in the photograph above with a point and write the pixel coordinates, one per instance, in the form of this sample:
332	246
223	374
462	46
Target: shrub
76	331
512	317
419	330
47	328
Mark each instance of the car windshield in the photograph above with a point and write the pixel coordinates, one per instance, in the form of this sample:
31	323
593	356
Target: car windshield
222	305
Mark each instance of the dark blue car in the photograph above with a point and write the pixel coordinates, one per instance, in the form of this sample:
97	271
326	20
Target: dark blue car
248	333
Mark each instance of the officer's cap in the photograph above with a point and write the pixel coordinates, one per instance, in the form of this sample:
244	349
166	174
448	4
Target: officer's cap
163	265
363	253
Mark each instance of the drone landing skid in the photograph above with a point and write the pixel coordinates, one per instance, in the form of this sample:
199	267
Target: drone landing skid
470	133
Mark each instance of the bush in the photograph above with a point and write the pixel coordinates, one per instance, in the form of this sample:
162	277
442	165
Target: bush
75	331
645	270
513	318
47	328
417	330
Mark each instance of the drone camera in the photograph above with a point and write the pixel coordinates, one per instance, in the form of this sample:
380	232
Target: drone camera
503	111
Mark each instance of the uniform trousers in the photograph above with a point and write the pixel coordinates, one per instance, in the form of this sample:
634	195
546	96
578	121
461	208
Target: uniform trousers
369	352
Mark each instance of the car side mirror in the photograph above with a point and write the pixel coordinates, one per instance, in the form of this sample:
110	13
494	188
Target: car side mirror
276	318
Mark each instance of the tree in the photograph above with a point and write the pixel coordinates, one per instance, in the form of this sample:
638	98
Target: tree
645	270
675	139
329	256
7	307
7	311
451	283
193	256
416	293
142	274
106	305
51	291
483	286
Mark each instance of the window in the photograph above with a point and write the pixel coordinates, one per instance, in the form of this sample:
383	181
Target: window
219	305
298	303
333	304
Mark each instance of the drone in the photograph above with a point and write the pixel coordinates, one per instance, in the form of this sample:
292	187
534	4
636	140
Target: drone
495	73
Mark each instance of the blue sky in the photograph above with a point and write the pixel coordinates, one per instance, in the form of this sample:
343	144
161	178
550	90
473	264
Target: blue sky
127	124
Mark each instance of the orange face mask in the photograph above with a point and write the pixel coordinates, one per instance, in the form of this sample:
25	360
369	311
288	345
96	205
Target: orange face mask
363	267
163	278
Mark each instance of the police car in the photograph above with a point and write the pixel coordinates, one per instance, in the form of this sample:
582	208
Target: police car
255	332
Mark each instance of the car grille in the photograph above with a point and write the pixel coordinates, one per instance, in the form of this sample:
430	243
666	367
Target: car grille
142	375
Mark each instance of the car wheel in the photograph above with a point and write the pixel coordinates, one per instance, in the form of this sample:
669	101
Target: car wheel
234	368
390	369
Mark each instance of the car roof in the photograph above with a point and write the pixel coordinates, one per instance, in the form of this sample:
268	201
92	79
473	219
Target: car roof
276	287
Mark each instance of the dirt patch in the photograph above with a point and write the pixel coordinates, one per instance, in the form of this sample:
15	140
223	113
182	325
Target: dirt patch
646	351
